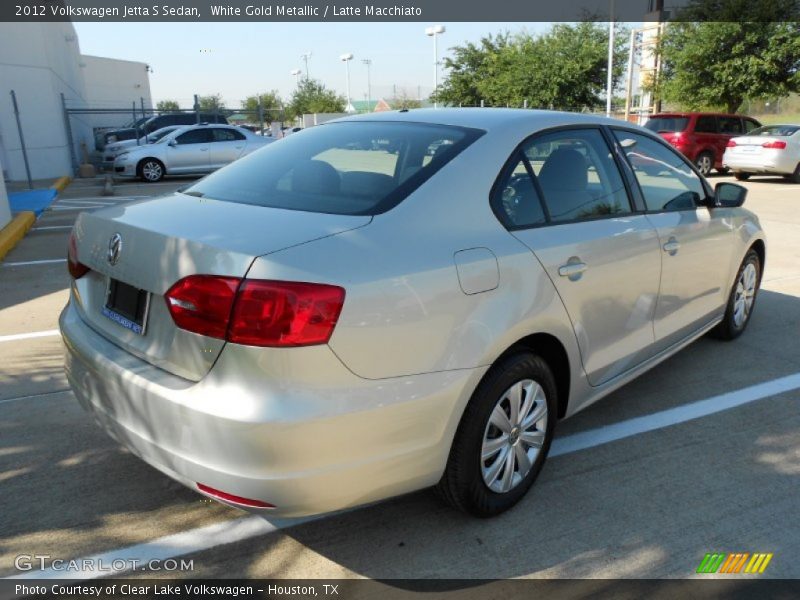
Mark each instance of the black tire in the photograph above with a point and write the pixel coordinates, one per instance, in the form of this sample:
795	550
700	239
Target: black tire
150	170
705	163
462	484
728	329
794	177
741	176
723	170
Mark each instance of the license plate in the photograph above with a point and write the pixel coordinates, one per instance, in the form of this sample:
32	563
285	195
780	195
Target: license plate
127	306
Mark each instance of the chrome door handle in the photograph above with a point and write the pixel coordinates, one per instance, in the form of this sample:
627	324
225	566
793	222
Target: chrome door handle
671	247
203	149
572	270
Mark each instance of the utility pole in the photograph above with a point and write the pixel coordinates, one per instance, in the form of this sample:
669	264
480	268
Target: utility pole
368	62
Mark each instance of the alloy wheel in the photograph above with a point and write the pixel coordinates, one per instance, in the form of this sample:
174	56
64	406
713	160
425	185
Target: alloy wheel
152	171
745	295
704	163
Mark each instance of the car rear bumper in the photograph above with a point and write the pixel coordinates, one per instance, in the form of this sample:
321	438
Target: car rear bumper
291	427
781	165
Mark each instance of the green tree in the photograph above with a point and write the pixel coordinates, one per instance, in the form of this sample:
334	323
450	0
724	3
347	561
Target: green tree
566	68
718	65
311	96
212	104
270	103
167	106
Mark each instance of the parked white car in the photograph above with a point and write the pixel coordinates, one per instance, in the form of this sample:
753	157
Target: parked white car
771	149
195	149
111	151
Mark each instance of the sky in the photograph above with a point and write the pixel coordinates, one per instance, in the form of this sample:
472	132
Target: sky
240	59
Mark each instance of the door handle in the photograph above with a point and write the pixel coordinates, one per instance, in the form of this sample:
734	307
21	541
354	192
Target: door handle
572	270
203	149
672	246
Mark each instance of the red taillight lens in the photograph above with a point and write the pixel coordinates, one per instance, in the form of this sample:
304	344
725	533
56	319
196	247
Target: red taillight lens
202	303
278	313
255	312
731	144
776	145
75	267
234	499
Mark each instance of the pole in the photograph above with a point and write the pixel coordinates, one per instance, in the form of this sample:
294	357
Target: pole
141	103
261	116
435	68
610	82
347	69
197	109
22	140
68	130
629	85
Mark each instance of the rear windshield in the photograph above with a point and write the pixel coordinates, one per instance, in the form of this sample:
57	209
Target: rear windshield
667	124
347	168
776	130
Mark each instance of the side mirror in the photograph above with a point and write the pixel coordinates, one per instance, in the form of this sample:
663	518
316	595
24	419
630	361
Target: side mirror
172	143
729	195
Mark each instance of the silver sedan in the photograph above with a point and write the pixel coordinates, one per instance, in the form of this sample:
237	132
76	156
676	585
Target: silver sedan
193	149
768	150
396	301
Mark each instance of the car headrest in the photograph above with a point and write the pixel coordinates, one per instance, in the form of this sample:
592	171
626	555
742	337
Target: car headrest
564	170
315	177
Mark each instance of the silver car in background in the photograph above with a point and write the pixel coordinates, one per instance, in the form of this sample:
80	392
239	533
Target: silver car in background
768	150
396	301
111	151
189	150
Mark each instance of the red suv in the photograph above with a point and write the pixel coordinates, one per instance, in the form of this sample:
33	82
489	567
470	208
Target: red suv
701	137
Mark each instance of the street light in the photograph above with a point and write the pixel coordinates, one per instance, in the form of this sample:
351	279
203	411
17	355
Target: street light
346	58
368	62
433	32
304	58
296	73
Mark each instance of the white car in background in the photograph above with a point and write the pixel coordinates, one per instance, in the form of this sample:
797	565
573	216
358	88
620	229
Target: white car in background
194	149
111	151
768	150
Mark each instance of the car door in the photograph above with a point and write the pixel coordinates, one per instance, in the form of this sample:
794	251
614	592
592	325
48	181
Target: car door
570	206
189	152
228	145
696	241
707	138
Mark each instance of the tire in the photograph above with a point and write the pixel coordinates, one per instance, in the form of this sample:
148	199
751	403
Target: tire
723	170
704	163
741	176
794	177
479	486
742	299
151	170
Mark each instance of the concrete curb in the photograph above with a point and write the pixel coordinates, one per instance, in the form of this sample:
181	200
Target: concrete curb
61	183
15	231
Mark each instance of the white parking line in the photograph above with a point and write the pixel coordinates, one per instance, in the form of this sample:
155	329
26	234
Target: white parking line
210	536
26	263
51	227
28	336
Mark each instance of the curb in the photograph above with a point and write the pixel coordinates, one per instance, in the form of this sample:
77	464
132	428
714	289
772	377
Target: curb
15	231
61	183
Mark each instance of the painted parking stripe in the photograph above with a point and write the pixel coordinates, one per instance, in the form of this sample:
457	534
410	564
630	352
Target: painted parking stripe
28	336
210	536
26	263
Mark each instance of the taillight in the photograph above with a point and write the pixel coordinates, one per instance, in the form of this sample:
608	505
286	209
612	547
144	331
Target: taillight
731	144
76	268
256	312
776	145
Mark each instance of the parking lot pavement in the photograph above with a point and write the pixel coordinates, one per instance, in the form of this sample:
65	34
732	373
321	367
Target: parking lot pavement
649	504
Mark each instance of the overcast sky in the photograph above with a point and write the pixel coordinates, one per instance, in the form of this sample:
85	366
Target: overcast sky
240	59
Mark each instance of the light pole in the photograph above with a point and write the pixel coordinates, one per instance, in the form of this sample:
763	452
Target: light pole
368	62
346	58
610	82
296	73
304	57
433	32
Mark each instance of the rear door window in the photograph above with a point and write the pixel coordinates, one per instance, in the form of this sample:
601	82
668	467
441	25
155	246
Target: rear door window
226	135
706	124
730	125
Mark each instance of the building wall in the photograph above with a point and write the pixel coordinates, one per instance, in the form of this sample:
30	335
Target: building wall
115	84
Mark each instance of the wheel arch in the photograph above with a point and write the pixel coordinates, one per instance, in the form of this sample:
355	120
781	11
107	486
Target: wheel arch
761	249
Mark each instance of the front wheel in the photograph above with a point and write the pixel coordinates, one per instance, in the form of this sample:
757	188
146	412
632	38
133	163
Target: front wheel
151	170
742	299
503	437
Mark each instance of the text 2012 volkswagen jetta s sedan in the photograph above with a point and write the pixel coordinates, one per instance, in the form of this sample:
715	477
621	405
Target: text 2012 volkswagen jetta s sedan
326	323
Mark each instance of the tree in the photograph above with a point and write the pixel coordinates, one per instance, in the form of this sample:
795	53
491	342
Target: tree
311	96
211	104
167	106
270	104
402	100
566	68
717	65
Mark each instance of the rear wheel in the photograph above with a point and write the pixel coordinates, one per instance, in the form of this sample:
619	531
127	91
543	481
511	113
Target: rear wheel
723	170
503	437
151	170
742	298
794	177
704	163
741	176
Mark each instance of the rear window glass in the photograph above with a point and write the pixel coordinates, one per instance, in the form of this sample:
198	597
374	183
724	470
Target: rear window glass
778	130
667	124
348	168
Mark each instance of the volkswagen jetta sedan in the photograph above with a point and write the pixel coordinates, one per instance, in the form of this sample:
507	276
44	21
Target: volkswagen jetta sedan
190	150
325	323
769	150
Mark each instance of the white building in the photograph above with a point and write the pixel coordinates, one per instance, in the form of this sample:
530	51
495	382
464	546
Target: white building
41	61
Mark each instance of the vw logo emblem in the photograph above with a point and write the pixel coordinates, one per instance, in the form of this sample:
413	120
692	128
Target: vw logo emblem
114	249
